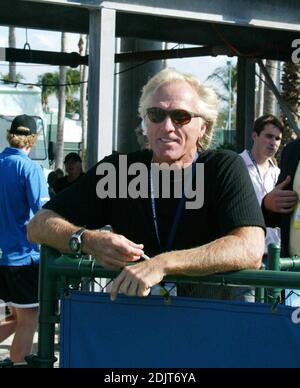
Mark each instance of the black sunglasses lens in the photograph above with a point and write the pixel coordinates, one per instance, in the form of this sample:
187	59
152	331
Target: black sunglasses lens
180	116
156	115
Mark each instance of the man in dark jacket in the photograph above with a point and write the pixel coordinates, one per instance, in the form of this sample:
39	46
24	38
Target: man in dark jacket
73	167
279	206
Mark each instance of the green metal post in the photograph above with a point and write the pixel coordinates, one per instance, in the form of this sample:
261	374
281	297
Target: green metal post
274	265
260	295
47	318
260	291
290	263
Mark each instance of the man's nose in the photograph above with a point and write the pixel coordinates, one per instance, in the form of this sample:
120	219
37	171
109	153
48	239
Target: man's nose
168	124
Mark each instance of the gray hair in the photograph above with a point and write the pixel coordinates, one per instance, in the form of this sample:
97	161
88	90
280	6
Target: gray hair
207	104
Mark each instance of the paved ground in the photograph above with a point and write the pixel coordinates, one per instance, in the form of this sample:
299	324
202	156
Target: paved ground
4	346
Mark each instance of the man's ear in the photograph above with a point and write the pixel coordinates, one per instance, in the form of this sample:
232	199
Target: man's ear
254	136
202	130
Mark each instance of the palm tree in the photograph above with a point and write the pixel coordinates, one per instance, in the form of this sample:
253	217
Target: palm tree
290	82
7	78
61	108
49	83
12	74
269	96
259	97
83	50
221	77
226	78
72	87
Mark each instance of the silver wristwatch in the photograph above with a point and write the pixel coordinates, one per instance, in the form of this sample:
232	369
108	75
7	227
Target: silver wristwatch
76	241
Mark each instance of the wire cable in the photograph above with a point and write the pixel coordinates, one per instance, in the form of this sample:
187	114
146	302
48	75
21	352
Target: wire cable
41	84
75	83
266	83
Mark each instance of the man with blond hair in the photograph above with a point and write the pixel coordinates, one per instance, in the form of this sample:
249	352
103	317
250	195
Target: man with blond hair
219	234
23	191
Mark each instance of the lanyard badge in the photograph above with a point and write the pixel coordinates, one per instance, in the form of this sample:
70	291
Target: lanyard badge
297	217
178	213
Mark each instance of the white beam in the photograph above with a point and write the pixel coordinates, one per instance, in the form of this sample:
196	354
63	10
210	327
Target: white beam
276	14
2	54
70	3
101	84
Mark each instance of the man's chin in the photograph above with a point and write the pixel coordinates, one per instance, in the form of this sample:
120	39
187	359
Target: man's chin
271	154
166	157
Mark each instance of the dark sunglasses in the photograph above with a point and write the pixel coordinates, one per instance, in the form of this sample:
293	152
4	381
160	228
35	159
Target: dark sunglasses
178	116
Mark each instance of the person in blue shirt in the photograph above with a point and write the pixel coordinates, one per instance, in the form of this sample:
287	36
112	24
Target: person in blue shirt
23	191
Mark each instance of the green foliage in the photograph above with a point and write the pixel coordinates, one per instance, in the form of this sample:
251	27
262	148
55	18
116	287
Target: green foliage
49	82
73	79
221	77
6	78
223	118
290	81
50	86
225	77
227	146
72	105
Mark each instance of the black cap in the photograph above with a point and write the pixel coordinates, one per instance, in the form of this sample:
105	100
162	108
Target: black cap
23	125
72	157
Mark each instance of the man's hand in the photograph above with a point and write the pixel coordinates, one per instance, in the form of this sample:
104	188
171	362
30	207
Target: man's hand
279	200
111	250
137	279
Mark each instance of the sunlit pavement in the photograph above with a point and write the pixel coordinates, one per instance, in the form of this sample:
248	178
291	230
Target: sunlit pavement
5	345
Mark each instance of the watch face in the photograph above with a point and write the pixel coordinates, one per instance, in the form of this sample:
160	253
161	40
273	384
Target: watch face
74	244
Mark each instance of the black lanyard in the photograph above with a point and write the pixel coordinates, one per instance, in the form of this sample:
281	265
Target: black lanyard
255	165
178	213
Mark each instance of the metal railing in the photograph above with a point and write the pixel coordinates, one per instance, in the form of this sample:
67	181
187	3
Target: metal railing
60	272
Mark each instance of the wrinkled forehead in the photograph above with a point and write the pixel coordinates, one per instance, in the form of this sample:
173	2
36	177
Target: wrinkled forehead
176	94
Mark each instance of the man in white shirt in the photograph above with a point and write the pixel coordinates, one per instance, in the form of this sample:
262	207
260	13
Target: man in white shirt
266	136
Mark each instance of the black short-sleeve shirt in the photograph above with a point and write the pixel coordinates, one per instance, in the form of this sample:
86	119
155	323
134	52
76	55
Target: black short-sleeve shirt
229	203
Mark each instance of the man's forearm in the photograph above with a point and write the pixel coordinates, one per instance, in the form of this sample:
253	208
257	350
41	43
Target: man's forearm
234	252
47	227
109	249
